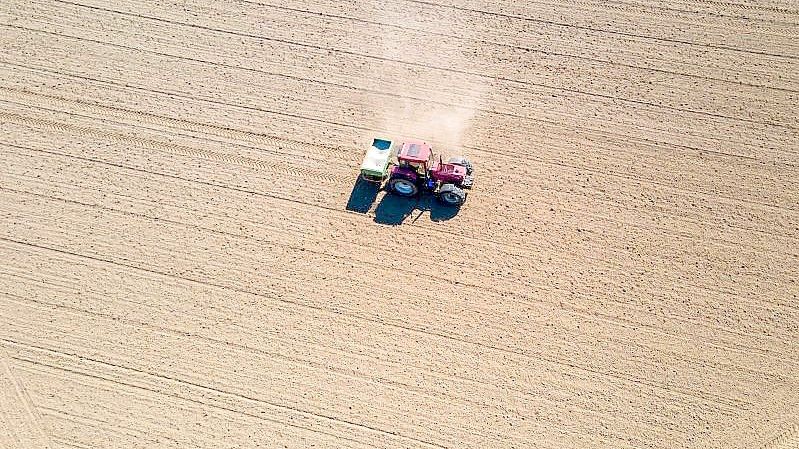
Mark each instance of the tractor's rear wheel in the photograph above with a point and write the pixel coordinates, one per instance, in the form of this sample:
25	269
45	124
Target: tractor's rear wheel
403	187
460	160
451	195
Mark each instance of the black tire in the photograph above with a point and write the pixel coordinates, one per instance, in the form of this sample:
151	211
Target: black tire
462	161
403	187
451	195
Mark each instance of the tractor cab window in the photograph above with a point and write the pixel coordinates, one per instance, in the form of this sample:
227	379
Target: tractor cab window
418	167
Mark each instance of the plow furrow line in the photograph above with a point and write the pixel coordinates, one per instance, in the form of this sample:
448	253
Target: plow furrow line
592	130
280	237
47	369
468	379
466	37
439	395
533	300
510	16
537	397
443	68
750	6
676	17
435	395
513	250
599	30
586	298
589	316
221	400
308	246
361	127
63	127
681	11
722	401
570	166
526	295
276	242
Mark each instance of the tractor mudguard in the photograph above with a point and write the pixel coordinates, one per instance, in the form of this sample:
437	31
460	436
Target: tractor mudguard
404	173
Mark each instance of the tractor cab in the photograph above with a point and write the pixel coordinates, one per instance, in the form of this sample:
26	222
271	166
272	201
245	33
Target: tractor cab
416	156
416	170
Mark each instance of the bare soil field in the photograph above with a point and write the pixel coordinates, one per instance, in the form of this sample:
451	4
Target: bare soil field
187	261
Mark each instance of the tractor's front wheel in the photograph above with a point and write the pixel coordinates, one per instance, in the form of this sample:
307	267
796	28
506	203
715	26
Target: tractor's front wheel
451	195
403	187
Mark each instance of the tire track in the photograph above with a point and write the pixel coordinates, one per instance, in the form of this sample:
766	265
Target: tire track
566	26
20	416
506	154
511	411
37	281
57	103
427	229
739	7
729	292
163	147
629	56
602	131
666	7
788	440
750	6
611	319
727	199
621	7
512	252
515	253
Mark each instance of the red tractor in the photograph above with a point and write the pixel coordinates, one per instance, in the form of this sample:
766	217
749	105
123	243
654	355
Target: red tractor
417	170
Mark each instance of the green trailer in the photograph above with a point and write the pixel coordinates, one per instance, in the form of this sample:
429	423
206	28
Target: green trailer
374	167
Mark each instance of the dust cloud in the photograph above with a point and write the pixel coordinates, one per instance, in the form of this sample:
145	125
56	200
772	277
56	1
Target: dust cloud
431	103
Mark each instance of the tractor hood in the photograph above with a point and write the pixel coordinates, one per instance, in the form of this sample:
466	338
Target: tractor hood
452	170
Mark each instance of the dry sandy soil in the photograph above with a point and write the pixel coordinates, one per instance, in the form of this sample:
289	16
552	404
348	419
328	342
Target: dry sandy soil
187	261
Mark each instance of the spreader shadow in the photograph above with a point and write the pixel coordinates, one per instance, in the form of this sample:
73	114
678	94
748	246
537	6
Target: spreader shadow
363	196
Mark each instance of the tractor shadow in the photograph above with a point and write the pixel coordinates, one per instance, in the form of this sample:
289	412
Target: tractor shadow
394	210
363	196
438	211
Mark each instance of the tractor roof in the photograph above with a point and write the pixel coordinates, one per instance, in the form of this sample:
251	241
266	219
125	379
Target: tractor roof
415	151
